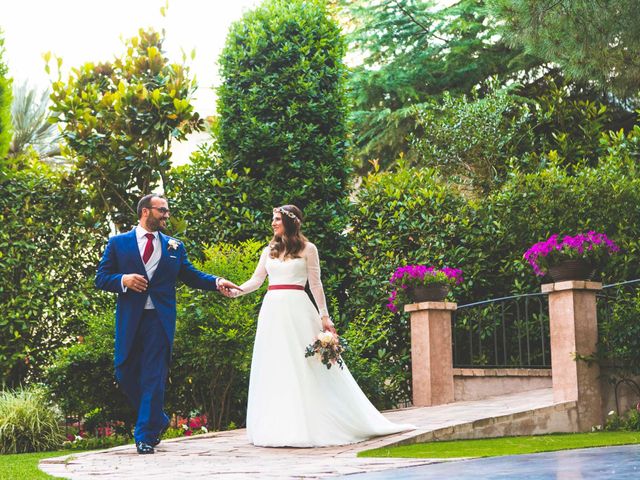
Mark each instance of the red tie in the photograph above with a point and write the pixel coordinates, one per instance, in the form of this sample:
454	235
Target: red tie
148	248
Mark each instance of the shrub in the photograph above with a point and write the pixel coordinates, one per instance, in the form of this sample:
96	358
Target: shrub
214	340
50	242
96	443
629	421
81	378
379	365
619	332
410	215
28	423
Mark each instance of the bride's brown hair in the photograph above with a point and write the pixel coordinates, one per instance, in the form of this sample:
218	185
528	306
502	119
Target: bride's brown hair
293	241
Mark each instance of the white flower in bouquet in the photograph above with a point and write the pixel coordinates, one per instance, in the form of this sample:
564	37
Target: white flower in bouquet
325	338
328	347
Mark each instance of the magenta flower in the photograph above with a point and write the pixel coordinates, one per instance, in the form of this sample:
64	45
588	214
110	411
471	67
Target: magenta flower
589	246
409	276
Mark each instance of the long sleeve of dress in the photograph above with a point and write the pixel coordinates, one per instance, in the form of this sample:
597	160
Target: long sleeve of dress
315	283
257	279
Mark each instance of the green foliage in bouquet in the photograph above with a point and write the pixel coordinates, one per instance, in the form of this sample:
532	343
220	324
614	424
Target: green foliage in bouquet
328	348
28	422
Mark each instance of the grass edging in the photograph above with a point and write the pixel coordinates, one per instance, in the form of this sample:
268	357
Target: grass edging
25	465
494	447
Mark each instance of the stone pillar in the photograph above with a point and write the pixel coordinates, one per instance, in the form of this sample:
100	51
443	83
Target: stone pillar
574	332
431	352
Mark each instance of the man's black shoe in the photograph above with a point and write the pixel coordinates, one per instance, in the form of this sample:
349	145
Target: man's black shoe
159	437
144	448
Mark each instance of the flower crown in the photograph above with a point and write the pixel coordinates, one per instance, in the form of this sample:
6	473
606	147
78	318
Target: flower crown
289	214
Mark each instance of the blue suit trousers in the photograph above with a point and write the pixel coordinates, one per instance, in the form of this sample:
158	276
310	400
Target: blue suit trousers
143	376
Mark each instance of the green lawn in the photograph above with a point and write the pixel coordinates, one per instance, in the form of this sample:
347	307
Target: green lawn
25	465
493	447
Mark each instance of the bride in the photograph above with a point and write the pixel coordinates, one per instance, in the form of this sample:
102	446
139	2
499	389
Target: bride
296	401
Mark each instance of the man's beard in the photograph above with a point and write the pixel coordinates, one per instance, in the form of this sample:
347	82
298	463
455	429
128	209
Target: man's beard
154	224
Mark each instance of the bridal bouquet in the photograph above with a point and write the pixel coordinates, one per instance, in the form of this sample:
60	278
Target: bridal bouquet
327	347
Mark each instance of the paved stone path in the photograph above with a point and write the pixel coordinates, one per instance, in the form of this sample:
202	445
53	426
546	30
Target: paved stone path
229	455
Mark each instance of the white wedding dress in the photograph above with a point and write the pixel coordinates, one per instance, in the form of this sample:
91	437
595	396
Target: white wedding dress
296	401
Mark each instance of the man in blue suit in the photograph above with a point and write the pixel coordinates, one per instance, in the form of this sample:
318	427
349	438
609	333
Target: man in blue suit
142	267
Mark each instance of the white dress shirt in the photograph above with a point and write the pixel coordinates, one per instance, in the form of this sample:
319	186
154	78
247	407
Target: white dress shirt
153	261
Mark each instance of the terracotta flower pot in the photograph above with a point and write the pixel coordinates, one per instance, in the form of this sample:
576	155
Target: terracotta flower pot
571	269
435	292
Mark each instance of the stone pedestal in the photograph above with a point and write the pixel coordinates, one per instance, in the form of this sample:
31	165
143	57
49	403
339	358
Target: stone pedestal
431	352
574	333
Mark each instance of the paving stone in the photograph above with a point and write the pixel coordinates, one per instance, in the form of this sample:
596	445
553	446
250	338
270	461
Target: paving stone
229	455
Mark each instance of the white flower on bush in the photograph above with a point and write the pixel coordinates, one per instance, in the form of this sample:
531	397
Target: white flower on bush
77	438
204	429
185	426
611	413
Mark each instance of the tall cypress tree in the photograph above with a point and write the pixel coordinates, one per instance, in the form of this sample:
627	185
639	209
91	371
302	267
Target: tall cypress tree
282	124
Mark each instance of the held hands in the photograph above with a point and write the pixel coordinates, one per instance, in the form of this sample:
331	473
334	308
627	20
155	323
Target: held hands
327	325
226	288
135	282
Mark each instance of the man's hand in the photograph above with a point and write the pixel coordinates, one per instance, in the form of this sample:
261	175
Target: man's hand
225	287
135	282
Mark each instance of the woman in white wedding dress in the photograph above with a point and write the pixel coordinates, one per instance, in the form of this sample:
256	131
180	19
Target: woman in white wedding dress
296	401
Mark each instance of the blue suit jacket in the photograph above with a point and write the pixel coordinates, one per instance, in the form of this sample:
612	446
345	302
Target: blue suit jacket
122	256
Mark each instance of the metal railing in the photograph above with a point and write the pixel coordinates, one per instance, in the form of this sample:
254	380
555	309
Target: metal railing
615	294
513	331
503	332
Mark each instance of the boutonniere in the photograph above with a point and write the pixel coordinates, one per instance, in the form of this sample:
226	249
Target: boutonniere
173	244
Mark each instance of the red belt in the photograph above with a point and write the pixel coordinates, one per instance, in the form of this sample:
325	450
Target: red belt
285	287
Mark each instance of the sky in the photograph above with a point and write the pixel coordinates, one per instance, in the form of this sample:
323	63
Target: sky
92	30
80	31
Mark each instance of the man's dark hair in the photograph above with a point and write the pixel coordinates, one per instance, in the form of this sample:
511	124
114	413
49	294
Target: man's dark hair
145	202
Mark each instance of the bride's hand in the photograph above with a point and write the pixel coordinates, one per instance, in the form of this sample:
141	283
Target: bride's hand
327	325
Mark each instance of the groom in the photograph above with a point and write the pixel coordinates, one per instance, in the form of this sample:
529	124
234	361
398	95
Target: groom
142	267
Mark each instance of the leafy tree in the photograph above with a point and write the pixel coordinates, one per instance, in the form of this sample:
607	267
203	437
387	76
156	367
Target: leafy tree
214	341
5	104
282	125
473	140
478	141
412	53
31	127
119	120
591	40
